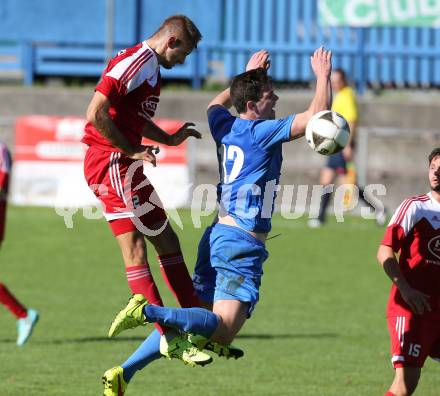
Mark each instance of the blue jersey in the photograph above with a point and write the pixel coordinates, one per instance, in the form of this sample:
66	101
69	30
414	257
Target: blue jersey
249	153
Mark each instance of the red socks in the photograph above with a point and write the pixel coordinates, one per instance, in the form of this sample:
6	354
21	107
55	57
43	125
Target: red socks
141	281
178	280
389	394
176	276
7	299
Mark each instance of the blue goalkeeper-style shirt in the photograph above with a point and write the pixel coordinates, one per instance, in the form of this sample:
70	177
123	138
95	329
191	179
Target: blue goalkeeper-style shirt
249	154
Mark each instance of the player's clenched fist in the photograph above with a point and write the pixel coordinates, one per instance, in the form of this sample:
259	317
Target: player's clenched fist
321	61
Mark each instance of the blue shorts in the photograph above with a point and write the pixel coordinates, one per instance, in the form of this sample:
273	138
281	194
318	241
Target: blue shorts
229	265
204	275
337	162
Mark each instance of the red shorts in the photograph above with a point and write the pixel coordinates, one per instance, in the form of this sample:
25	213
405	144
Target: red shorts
128	198
413	339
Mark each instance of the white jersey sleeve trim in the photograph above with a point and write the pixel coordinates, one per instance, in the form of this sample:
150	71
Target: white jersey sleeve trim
407	214
137	68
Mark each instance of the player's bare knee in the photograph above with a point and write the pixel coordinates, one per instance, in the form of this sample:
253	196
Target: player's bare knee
224	334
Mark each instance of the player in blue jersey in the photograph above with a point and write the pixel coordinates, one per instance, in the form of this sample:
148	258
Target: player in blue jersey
232	251
249	150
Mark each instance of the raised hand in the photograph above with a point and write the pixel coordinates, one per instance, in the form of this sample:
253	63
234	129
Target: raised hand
183	133
321	62
259	59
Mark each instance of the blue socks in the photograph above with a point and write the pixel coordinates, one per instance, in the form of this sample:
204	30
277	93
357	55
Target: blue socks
145	354
189	320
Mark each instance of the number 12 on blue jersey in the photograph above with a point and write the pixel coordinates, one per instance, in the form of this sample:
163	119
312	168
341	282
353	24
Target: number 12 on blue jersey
232	159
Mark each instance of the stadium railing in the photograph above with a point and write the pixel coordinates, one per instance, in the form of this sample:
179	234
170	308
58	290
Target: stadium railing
58	59
289	29
16	61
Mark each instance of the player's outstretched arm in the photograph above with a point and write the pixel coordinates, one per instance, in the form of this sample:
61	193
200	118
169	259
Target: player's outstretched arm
417	301
97	115
321	62
183	133
258	59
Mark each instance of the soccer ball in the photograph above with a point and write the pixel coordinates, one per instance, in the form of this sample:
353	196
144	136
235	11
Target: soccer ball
327	132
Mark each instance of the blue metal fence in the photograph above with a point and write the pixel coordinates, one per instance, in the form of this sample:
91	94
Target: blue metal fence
69	39
291	31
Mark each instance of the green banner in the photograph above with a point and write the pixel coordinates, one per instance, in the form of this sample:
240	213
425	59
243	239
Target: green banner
379	13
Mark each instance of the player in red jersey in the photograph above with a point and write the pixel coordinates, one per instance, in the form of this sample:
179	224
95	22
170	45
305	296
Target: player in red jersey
119	116
26	318
413	310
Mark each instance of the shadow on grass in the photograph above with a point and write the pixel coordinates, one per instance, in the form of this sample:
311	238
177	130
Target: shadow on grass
78	340
84	340
285	336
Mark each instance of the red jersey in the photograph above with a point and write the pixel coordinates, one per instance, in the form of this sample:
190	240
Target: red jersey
5	167
414	231
131	82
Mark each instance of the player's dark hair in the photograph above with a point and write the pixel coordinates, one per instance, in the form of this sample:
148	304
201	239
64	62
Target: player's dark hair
183	24
247	87
341	73
434	153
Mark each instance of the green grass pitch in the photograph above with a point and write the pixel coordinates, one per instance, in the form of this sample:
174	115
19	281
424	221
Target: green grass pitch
319	328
